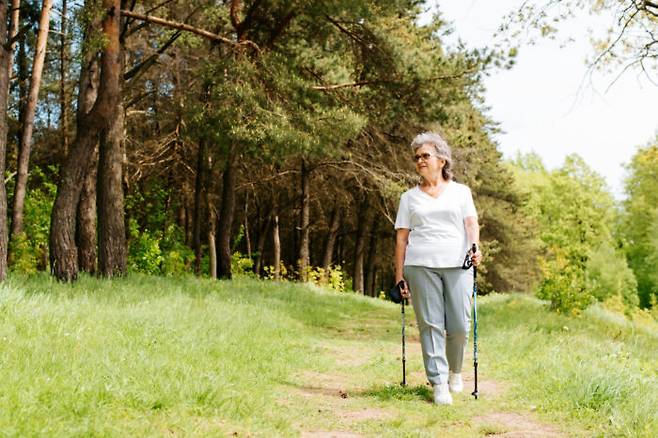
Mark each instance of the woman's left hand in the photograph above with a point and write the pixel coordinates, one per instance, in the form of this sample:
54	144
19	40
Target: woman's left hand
476	258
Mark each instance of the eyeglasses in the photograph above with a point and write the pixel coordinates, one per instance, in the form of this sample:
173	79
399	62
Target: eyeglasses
425	156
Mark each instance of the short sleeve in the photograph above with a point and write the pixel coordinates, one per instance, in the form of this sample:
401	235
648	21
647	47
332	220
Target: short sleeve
468	206
403	219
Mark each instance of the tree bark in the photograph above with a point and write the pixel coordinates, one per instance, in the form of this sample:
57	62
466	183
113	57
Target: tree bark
359	248
276	244
5	68
198	197
28	122
212	250
13	31
247	236
260	245
111	227
304	220
63	251
226	217
63	97
86	238
86	226
371	259
331	239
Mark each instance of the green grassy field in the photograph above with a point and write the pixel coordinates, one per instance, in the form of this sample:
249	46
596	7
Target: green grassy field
150	356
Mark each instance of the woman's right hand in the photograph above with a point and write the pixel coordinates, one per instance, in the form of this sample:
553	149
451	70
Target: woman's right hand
404	289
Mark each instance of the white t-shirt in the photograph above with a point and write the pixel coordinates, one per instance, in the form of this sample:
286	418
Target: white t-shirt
438	235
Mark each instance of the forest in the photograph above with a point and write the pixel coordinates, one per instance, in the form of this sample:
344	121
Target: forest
270	138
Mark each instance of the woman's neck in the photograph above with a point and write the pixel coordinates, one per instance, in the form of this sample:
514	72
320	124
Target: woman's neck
433	181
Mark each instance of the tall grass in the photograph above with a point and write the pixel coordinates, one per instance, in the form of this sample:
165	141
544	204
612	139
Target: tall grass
135	356
155	356
596	371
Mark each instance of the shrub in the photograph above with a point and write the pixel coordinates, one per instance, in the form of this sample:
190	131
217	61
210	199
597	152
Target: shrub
29	249
608	275
144	253
241	265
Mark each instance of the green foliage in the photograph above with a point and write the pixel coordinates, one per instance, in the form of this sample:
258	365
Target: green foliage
241	265
23	257
640	221
29	250
575	216
158	253
332	278
608	275
144	253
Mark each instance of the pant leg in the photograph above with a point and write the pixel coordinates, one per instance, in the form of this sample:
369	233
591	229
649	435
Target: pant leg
426	290
458	284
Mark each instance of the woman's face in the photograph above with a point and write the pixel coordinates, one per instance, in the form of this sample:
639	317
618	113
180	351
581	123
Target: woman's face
427	161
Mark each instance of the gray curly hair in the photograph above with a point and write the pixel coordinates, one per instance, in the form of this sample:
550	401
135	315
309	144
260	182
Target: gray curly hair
442	150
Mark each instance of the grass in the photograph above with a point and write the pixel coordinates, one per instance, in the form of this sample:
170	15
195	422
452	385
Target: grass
154	356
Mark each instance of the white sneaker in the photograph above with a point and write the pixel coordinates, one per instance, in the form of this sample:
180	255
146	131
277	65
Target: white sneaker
442	394
455	382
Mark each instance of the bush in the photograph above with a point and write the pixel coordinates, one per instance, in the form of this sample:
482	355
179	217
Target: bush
608	275
29	249
144	253
564	285
241	265
331	278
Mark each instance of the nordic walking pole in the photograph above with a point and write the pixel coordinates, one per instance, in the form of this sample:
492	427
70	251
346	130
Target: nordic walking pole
404	357
475	326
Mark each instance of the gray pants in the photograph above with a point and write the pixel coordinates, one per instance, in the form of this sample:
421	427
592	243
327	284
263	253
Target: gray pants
442	302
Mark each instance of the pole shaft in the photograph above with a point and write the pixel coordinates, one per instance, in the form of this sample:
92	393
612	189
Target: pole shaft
475	331
404	357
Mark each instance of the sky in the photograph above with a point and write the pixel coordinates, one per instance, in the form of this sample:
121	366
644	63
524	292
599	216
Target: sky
548	104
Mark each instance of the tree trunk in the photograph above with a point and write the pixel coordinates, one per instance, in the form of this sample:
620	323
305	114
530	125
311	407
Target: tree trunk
86	238
276	245
247	237
226	218
13	31
86	227
303	256
331	239
63	98
5	68
212	251
260	245
359	248
371	259
63	252
28	122
212	221
198	197
111	228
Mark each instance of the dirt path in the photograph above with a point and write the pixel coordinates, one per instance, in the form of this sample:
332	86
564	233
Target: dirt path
340	403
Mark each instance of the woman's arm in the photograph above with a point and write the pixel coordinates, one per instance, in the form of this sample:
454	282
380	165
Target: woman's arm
473	236
401	241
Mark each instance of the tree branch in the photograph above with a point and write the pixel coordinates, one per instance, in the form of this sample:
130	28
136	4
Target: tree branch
148	62
383	81
186	27
16	37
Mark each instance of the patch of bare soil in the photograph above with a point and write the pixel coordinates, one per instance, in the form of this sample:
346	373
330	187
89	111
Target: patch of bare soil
514	425
330	434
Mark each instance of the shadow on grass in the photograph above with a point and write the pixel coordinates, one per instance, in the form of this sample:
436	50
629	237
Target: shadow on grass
399	392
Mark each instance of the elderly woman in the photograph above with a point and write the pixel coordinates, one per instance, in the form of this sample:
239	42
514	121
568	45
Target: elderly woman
436	226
